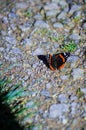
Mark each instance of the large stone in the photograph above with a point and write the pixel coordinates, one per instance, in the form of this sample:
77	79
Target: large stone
78	73
57	110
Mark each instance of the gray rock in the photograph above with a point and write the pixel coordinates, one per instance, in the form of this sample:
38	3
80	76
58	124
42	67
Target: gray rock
68	128
73	59
38	17
73	98
84	108
26	77
15	51
25	28
53	20
78	73
57	110
66	9
78	51
7	58
75	37
29	104
12	15
13	26
29	72
63	4
69	1
48	85
38	51
62	98
10	32
73	108
75	122
56	46
1	49
13	10
12	59
5	20
41	24
45	93
3	33
35	65
11	40
52	13
74	8
77	14
36	127
28	42
57	25
51	6
45	114
83	90
64	77
62	15
84	26
63	119
9	46
21	5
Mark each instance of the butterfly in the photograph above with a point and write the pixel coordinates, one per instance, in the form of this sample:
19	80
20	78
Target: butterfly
57	61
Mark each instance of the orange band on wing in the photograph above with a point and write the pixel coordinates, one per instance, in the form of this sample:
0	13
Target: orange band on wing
50	58
50	64
62	66
51	67
63	59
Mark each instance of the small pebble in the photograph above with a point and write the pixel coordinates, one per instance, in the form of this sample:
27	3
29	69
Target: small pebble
11	40
38	51
21	5
48	85
52	13
45	93
16	51
62	15
75	37
41	24
57	25
62	98
38	17
84	26
5	20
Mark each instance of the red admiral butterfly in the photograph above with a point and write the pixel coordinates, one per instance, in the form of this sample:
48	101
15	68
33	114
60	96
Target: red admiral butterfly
57	61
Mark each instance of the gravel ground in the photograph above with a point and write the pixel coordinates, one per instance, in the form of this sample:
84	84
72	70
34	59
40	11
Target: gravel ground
28	29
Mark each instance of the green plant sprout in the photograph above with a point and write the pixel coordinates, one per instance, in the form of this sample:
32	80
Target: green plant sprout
79	93
71	46
53	36
44	31
28	13
77	19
